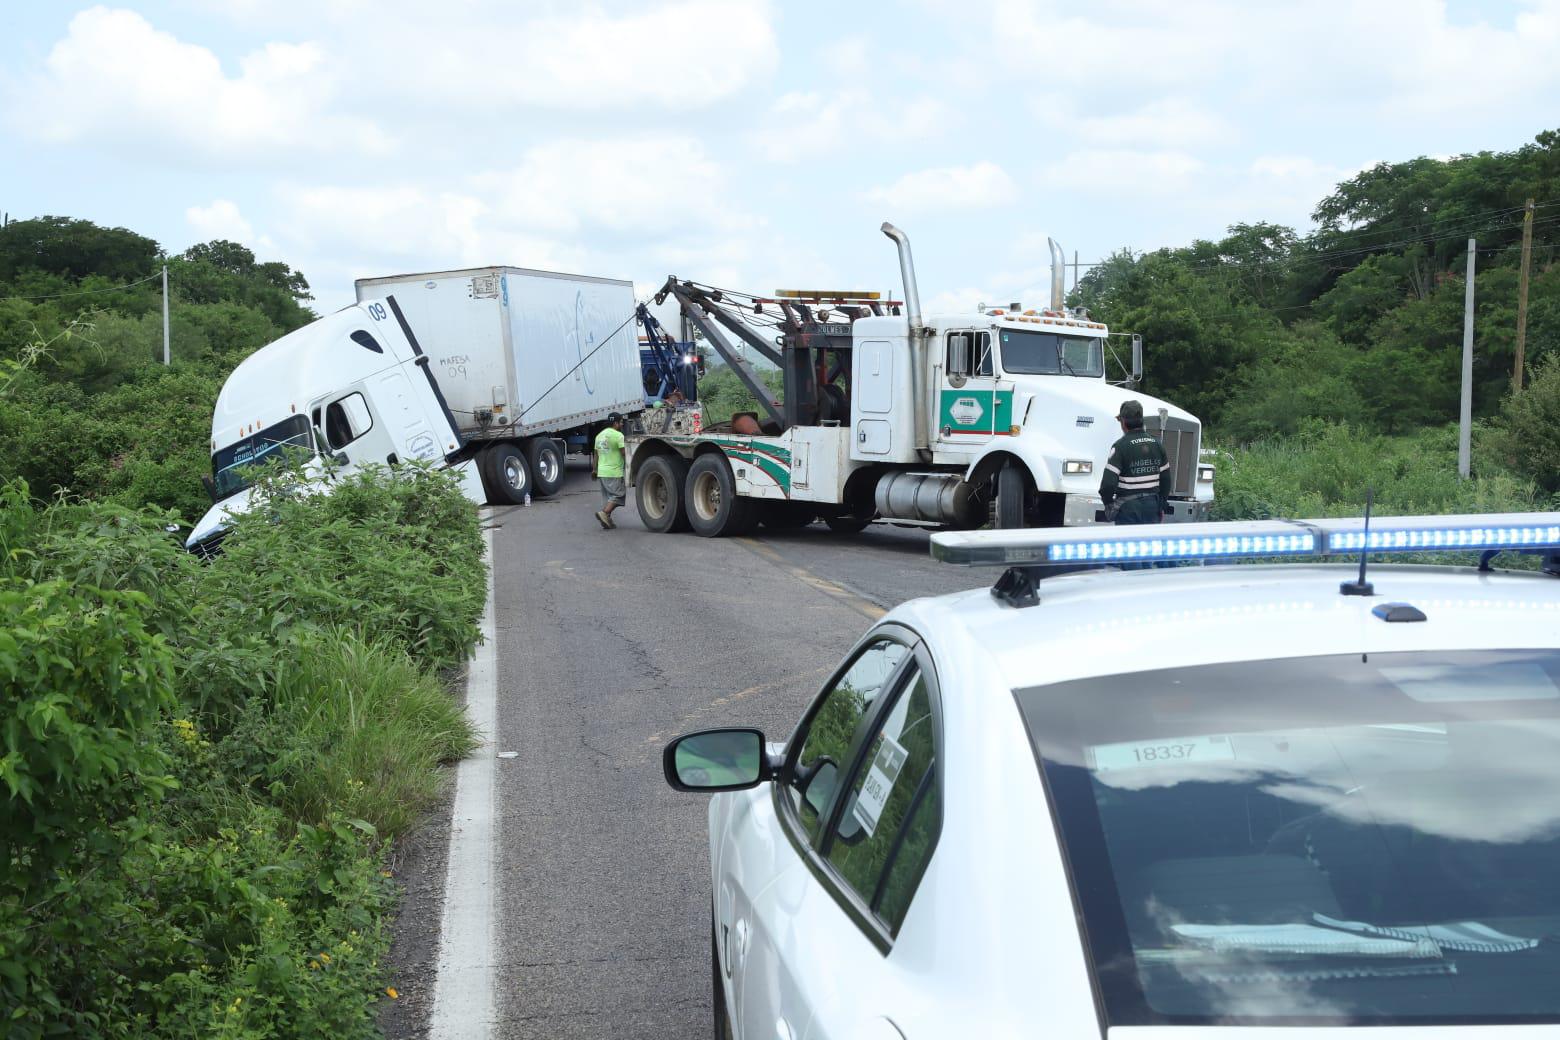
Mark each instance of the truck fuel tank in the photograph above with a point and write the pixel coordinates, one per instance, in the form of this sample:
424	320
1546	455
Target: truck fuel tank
938	498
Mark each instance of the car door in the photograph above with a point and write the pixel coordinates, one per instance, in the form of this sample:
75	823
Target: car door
823	905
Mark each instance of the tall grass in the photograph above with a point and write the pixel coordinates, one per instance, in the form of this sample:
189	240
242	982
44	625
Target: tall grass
355	728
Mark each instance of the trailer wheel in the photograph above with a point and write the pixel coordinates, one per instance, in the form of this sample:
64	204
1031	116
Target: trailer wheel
1011	495
714	508
546	462
658	493
508	473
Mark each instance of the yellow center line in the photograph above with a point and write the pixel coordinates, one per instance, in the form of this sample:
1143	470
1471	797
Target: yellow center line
861	605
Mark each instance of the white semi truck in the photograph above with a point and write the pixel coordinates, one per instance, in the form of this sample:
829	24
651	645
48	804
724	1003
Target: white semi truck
490	371
1002	415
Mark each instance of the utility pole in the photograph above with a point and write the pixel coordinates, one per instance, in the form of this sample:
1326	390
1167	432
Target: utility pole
165	314
1075	270
1522	286
1465	427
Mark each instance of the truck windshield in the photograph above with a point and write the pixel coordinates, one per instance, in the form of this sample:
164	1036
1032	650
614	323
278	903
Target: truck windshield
232	468
1321	841
1050	354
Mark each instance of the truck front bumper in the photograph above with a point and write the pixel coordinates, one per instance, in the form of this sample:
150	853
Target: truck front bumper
1088	509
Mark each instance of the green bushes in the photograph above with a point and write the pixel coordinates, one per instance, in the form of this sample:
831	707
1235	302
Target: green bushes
199	764
1525	437
1326	469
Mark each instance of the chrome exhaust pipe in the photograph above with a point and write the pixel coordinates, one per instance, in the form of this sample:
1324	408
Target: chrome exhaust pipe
906	274
917	337
1058	276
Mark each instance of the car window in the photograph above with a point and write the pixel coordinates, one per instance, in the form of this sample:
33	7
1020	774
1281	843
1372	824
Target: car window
836	729
883	836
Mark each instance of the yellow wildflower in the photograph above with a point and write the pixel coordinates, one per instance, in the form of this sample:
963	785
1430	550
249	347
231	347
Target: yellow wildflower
391	993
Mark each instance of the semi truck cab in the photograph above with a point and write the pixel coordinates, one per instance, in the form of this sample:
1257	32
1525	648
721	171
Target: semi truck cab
352	386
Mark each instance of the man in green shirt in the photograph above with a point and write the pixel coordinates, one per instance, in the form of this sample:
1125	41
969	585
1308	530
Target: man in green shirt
606	465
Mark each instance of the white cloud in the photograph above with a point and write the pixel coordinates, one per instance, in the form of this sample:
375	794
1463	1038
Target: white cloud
950	187
629	185
115	78
1167	122
221	219
1121	170
802	121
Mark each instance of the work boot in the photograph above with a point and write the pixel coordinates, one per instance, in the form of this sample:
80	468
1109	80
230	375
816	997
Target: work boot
604	520
611	523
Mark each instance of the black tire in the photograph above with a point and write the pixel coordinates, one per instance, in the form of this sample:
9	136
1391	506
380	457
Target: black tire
786	516
1011	495
710	497
722	1018
658	493
545	457
508	474
847	523
489	490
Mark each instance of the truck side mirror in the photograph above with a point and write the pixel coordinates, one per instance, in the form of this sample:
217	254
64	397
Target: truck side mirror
1137	359
959	354
210	485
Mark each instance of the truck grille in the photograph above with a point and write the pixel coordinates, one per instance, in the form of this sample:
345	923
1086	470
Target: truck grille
1179	437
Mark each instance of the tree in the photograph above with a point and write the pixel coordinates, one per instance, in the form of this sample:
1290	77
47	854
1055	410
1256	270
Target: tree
75	249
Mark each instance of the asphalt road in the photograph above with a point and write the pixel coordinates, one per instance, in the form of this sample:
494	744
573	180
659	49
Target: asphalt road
608	644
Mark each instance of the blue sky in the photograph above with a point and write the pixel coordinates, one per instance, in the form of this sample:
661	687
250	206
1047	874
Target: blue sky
742	143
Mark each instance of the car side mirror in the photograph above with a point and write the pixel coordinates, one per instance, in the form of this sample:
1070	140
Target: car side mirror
818	785
716	760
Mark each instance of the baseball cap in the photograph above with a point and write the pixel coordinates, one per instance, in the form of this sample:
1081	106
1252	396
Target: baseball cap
613	417
1131	411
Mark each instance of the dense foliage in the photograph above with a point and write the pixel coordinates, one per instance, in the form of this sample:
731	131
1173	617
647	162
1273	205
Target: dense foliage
200	763
1359	324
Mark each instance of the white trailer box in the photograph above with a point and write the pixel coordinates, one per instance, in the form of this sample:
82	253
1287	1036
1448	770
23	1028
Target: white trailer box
520	353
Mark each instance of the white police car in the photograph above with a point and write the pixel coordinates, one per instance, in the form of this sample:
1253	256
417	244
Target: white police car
1202	797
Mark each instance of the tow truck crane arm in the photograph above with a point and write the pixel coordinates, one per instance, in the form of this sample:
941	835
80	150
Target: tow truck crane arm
699	305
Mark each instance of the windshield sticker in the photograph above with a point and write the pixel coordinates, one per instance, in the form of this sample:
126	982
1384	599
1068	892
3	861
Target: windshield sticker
1144	754
886	764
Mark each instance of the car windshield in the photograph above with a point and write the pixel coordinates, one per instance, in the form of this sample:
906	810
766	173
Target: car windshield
1047	353
1322	840
233	467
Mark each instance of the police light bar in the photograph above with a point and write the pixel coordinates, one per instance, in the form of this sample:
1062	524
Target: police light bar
1422	533
1245	539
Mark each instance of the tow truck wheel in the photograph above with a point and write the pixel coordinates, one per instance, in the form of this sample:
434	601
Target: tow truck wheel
508	474
545	457
1010	497
847	523
786	516
658	493
714	508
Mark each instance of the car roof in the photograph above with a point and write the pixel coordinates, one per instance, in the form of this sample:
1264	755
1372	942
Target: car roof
1110	622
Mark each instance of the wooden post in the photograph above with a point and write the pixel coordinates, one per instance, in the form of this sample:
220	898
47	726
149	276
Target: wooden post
1465	425
1522	293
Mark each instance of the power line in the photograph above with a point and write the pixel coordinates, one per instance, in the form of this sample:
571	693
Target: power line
86	292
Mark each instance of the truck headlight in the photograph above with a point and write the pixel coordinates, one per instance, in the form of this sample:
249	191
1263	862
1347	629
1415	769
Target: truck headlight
1205	474
1074	467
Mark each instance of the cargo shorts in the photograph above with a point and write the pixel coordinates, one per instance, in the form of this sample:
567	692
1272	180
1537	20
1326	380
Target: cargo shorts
613	490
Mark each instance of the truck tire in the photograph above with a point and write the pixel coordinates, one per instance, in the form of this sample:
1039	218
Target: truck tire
1011	494
546	461
658	493
508	473
847	523
489	489
786	516
714	508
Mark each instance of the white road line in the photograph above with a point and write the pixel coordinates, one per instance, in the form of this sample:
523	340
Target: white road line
463	1007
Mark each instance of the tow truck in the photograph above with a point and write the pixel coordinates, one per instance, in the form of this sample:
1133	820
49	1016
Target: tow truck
1001	416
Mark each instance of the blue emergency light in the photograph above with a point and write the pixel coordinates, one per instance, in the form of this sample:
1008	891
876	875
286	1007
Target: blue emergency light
1246	539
